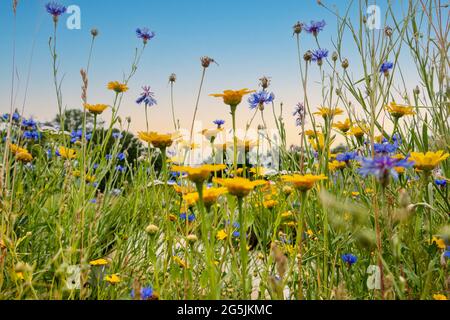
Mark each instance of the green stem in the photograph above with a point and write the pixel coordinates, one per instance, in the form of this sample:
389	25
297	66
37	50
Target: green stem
243	247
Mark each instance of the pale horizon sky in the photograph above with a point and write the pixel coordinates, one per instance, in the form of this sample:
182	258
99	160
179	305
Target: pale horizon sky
249	39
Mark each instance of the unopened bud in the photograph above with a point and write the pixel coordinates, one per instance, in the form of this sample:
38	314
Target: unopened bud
345	64
152	229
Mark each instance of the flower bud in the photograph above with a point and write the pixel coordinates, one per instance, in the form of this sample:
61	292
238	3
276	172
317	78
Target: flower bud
173	77
334	56
192	238
298	27
308	56
152	229
94	32
345	64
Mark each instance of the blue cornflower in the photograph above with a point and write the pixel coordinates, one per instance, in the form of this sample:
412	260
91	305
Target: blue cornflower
15	117
259	99
121	156
108	157
299	113
31	135
120	168
385	147
349	258
385	67
219	123
447	253
318	55
190	218
147	97
29	123
236	225
383	167
93	201
236	234
346	157
95	166
117	135
55	9
146	293
441	182
315	27
145	34
49	153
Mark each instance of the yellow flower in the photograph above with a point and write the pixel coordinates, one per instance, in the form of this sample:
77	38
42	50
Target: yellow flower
320	139
428	161
355	194
24	156
95	108
117	86
335	165
160	141
398	111
231	97
67	153
311	133
239	187
15	149
172	217
287	214
328	112
304	183
440	243
180	262
260	171
439	297
20	276
343	126
310	233
199	174
190	199
211	195
113	279
99	262
183	189
358	131
369	191
221	235
270	204
186	145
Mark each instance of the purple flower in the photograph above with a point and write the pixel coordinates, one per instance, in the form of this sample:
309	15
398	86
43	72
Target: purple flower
385	148
55	9
29	123
190	218
31	135
219	123
236	234
119	168
117	135
318	55
386	66
147	97
259	99
346	157
145	34
383	167
349	258
121	156
299	113
315	27
146	293
447	253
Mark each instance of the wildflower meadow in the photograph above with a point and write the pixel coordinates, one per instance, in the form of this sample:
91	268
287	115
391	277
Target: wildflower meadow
342	195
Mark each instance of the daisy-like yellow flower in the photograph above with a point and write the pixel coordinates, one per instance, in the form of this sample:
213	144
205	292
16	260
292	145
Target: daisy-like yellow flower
15	149
221	235
336	165
211	195
260	171
270	204
199	174
180	262
369	191
95	108
318	142
439	297
113	279
287	214
183	189
67	153
305	182
232	97
311	133
99	262
117	87
343	126
328	112
428	161
190	199
357	131
440	243
160	141
239	187
24	157
398	111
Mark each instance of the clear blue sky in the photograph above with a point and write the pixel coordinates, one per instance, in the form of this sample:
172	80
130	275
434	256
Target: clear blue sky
249	39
